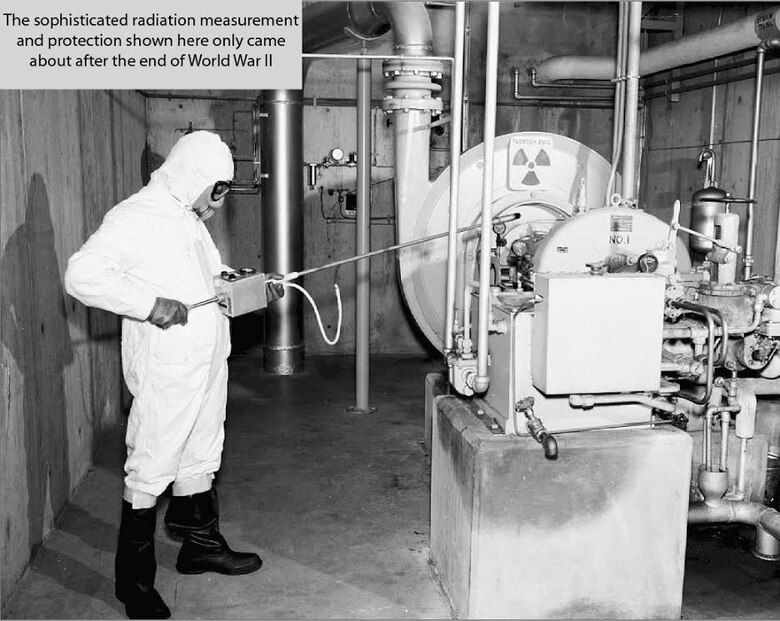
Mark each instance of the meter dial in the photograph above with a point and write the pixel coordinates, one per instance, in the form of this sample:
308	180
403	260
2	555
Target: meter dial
648	263
499	228
519	248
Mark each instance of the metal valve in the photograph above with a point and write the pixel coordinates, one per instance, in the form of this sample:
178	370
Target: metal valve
536	428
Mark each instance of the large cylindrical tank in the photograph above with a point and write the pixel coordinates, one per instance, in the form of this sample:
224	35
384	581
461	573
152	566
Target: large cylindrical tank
536	174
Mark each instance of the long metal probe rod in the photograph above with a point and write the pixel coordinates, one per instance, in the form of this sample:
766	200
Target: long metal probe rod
373	253
363	241
747	260
482	379
456	105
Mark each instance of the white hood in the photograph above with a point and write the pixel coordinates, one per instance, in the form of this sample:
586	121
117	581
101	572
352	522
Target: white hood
195	162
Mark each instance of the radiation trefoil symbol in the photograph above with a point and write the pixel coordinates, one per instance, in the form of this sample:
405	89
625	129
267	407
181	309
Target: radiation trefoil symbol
521	159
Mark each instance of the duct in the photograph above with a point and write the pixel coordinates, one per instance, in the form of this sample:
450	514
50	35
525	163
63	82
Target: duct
282	224
325	23
739	35
413	36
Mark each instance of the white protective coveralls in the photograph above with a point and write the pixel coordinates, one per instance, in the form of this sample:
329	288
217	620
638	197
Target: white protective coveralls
154	245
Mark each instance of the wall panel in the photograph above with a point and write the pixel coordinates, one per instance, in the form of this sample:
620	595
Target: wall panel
61	367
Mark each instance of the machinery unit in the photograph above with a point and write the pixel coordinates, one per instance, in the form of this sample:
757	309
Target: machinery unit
600	326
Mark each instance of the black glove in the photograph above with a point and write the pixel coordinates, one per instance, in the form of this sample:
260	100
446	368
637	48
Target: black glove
166	313
273	290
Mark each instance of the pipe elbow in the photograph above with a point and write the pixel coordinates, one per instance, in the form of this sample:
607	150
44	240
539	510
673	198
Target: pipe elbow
481	383
411	25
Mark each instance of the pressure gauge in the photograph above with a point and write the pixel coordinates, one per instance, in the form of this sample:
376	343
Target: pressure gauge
519	248
499	228
337	154
648	263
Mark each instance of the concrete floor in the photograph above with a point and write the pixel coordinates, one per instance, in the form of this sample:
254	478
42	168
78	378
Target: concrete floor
336	504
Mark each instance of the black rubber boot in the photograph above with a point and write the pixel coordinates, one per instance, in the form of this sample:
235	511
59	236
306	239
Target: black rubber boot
135	565
196	519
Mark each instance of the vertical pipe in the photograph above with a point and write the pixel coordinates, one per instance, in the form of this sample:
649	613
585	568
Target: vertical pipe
456	106
742	471
747	261
466	62
620	100
482	381
362	267
282	223
725	419
632	101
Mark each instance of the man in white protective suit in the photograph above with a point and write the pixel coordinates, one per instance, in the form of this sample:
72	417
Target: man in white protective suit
150	258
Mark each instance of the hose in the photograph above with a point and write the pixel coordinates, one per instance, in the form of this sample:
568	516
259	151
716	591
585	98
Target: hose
317	312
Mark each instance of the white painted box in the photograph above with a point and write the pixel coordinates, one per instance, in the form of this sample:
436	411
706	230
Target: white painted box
597	333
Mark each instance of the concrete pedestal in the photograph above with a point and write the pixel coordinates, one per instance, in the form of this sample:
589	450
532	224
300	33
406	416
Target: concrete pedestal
600	532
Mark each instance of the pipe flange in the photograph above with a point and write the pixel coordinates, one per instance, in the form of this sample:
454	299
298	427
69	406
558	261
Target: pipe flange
434	105
413	66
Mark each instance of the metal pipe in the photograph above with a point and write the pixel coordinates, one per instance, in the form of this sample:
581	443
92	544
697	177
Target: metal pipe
588	401
724	333
561	98
466	72
747	259
742	469
752	513
725	419
713	103
580	84
619	108
632	101
456	97
282	226
706	312
482	380
718	82
466	312
447	59
690	75
363	236
707	440
739	35
412	31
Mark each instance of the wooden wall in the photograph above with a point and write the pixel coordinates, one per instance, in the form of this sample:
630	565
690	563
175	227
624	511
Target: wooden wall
66	157
677	131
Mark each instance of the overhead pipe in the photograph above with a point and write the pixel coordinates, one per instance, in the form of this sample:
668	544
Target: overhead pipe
456	115
282	215
631	101
326	23
739	35
482	380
